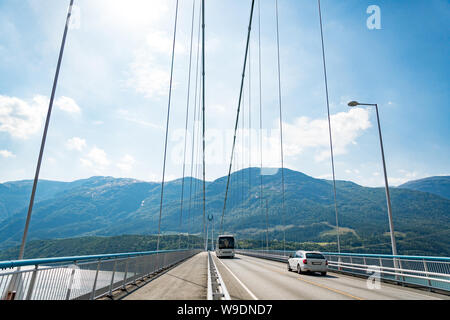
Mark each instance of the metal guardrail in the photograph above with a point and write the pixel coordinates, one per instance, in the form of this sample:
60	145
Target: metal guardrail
81	277
422	271
216	287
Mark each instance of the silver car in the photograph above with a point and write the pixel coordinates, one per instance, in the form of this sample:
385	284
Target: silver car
308	261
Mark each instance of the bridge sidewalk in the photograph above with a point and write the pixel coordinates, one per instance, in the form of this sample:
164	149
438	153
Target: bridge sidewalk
187	281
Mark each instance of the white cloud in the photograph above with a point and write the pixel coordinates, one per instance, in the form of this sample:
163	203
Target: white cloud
126	163
147	76
68	105
22	119
76	143
96	158
313	134
7	154
129	16
149	72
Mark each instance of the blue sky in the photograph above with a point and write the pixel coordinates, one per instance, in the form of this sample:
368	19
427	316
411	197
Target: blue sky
112	96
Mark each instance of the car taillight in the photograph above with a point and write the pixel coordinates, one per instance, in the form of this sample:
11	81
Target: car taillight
305	261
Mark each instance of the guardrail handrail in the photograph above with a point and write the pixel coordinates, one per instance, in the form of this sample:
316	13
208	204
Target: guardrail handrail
32	262
387	256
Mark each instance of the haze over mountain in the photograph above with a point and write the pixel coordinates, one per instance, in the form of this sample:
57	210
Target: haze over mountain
105	206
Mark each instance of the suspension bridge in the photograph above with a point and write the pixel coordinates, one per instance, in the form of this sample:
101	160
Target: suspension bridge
196	273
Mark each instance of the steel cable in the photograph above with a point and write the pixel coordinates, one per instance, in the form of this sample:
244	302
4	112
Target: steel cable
237	115
167	126
329	127
187	121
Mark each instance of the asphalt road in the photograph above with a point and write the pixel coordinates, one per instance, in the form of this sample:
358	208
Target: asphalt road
249	278
187	281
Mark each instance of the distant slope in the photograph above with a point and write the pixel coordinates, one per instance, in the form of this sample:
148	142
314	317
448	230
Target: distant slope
14	196
98	245
436	185
104	206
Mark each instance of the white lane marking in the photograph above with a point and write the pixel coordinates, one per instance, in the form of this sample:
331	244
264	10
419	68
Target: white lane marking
240	282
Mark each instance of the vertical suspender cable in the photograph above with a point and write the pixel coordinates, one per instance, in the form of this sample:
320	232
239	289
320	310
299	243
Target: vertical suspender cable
197	157
195	117
281	130
237	115
243	147
250	120
204	120
187	122
44	136
329	126
261	196
167	126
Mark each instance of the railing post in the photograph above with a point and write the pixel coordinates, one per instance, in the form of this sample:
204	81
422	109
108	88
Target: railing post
112	278
126	273
381	267
425	268
401	272
32	282
136	269
14	286
95	281
72	276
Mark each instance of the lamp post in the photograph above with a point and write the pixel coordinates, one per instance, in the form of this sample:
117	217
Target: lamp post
388	197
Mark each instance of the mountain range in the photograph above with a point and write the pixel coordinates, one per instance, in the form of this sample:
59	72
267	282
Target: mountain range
437	185
106	206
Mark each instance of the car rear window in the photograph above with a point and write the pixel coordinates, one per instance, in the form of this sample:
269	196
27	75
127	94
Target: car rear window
314	256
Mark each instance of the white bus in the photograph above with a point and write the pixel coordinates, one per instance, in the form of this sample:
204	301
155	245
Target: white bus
225	246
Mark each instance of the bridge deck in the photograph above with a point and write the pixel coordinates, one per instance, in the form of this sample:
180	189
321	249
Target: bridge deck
187	281
248	278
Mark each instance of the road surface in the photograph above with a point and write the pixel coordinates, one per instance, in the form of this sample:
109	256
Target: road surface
249	278
187	281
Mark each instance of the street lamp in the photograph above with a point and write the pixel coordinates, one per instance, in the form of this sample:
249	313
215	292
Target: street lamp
388	197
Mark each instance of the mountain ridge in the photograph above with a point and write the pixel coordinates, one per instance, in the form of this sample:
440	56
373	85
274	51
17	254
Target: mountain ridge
106	206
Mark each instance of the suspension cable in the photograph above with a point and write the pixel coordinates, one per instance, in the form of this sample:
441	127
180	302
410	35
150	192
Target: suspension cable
281	129
329	126
197	157
187	121
250	120
261	195
195	118
203	120
167	126
238	112
243	147
44	136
